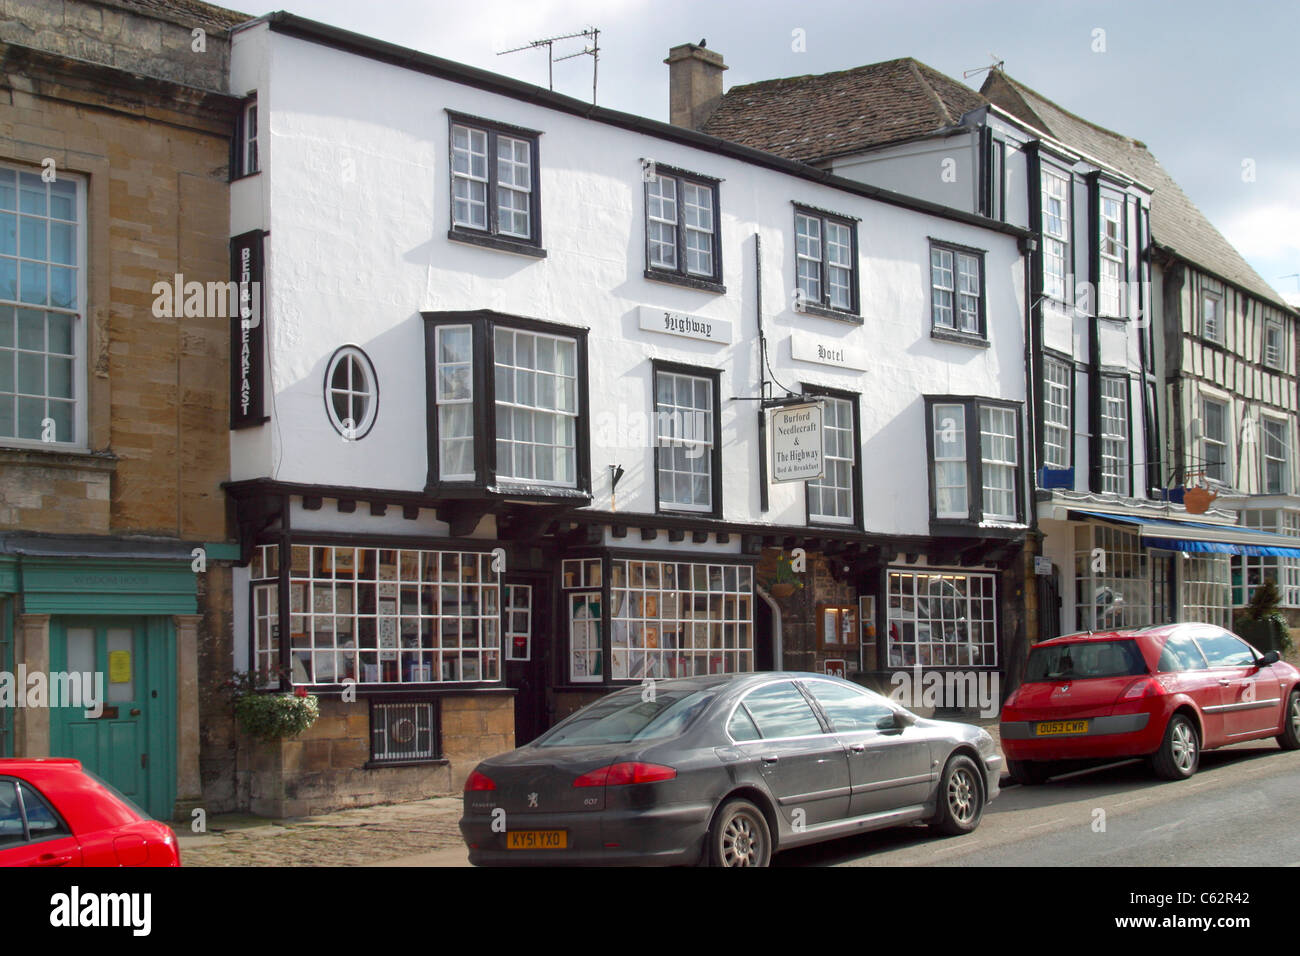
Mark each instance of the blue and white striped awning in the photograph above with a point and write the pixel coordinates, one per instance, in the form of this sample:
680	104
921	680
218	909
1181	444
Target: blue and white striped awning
1198	537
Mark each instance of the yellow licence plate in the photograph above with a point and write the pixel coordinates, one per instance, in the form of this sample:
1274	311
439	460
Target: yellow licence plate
1047	727
537	840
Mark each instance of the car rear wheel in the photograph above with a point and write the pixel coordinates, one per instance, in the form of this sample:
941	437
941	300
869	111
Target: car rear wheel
961	797
740	836
1029	772
1289	738
1180	752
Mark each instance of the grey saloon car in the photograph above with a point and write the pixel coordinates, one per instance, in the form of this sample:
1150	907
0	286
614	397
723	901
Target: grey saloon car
724	770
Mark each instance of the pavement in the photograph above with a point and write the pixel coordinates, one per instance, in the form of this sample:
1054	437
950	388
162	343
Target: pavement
414	833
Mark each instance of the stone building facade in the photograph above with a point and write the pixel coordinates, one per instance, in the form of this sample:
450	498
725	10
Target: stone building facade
114	150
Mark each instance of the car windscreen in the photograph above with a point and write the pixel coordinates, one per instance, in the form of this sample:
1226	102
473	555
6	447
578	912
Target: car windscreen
1083	660
628	717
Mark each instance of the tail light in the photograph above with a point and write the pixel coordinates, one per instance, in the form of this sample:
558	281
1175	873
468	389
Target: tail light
621	774
477	781
1146	687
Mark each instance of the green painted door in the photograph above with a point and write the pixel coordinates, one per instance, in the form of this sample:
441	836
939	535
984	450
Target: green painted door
131	743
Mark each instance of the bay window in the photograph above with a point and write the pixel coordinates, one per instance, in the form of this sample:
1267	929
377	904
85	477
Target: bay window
507	404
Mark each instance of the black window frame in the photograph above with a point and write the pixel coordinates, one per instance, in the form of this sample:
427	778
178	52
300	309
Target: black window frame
715	458
1125	482
1049	163
485	484
1072	398
975	459
824	308
491	237
239	142
1105	190
854	400
679	276
942	332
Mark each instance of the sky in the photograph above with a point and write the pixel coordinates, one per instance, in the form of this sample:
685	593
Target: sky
1210	87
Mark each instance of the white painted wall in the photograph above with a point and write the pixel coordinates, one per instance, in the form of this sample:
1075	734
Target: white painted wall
355	179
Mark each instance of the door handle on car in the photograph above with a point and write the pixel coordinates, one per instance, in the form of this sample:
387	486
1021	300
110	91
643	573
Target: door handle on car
770	759
858	748
49	859
1224	682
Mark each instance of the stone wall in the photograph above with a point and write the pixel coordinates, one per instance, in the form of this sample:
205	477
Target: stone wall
326	768
154	39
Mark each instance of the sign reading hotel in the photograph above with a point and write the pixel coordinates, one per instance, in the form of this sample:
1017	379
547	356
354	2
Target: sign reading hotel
688	326
796	432
810	348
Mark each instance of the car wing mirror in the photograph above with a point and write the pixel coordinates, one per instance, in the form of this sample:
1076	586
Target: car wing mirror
1272	657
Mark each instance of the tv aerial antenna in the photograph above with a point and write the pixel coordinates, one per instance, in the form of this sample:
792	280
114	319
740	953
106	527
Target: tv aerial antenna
997	64
593	51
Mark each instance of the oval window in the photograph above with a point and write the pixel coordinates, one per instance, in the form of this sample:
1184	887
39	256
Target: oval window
351	392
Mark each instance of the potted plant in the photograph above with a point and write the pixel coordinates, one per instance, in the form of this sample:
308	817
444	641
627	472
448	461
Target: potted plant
270	715
786	581
1261	623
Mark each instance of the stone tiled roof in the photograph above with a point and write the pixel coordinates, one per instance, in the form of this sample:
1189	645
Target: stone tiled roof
812	118
1176	223
194	12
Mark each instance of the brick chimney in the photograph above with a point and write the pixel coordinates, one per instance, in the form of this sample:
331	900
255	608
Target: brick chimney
694	84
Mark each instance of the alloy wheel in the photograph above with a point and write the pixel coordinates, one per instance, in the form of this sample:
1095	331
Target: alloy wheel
742	841
1183	745
962	794
1295	714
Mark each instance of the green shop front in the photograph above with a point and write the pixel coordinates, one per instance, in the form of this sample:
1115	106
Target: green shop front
98	648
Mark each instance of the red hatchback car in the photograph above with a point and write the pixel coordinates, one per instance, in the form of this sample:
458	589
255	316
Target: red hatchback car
54	813
1165	693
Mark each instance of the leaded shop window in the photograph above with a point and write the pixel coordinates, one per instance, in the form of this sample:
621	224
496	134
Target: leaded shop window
942	618
1112	579
384	616
678	619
